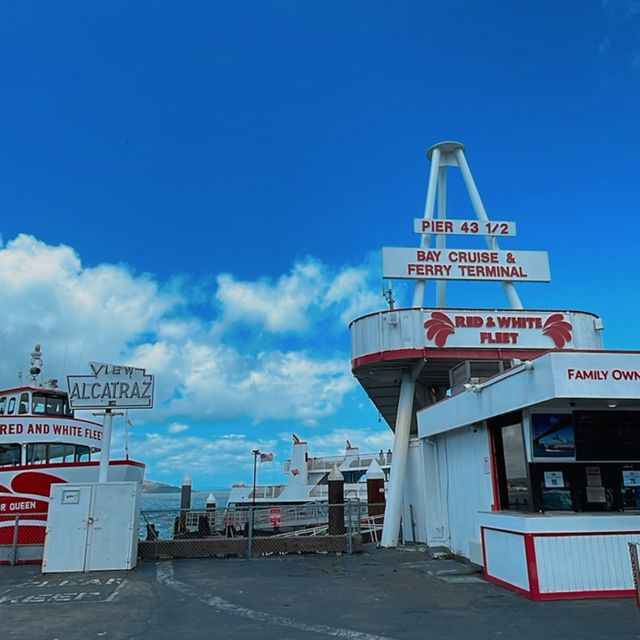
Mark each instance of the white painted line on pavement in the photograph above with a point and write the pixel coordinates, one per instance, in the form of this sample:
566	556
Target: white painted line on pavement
164	574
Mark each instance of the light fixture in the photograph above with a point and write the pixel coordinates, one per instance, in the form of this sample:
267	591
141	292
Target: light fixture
612	404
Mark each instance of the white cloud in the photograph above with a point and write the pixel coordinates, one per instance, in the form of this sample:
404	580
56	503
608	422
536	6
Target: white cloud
216	381
77	313
177	427
202	458
351	289
222	459
290	303
108	313
279	306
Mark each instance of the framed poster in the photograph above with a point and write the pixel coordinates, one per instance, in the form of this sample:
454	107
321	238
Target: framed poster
553	479
631	478
552	436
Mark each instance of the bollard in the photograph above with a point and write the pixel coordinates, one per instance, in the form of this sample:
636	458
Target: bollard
185	494
336	502
180	525
210	509
375	489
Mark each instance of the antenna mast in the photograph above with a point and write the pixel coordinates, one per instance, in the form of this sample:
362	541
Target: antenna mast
36	364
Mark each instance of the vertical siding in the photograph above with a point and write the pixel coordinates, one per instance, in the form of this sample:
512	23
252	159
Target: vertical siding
584	563
414	495
465	488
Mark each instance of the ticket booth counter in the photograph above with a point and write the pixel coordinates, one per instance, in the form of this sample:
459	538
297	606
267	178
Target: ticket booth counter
561	555
563	442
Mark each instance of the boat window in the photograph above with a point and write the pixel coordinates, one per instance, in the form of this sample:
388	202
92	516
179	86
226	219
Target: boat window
61	453
9	455
83	454
11	406
56	453
36	453
3	404
23	406
53	405
37	405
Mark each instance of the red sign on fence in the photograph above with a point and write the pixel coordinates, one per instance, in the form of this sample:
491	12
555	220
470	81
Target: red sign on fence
275	517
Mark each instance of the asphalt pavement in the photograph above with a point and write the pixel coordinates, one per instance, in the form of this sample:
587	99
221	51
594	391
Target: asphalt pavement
376	595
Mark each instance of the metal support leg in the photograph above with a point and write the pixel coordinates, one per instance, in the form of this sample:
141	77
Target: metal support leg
441	285
393	509
418	292
476	201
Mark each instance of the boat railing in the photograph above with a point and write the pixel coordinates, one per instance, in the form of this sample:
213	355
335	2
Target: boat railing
360	461
285	516
311	518
268	491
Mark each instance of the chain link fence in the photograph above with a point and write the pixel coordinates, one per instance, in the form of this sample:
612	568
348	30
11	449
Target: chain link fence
241	532
22	538
253	531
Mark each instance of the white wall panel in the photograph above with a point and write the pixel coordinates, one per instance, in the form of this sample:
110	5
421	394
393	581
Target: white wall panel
506	558
465	487
415	495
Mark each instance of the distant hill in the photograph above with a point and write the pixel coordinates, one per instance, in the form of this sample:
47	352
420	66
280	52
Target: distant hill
158	487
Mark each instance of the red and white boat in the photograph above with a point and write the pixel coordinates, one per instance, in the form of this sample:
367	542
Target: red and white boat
43	443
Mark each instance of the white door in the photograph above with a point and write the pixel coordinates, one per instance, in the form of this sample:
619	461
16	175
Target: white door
113	530
67	528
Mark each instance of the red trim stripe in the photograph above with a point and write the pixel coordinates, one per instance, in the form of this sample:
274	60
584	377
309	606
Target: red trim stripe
444	353
56	465
470	354
46	416
532	567
508	585
551	534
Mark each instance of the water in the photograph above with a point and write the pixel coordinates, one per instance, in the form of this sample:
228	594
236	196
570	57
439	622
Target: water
161	509
171	501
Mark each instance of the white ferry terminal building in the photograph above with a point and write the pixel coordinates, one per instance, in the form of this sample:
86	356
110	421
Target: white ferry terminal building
517	437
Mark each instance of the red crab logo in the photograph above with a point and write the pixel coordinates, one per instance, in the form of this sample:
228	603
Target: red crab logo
439	328
558	329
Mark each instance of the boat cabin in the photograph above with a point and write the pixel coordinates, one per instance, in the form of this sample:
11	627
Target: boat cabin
26	413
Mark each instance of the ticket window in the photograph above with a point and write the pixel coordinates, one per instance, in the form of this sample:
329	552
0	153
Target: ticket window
554	487
598	487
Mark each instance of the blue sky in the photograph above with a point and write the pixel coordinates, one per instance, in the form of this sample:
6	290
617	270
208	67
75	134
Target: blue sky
203	188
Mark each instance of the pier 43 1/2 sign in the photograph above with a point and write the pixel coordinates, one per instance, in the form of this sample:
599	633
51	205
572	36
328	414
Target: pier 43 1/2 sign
109	386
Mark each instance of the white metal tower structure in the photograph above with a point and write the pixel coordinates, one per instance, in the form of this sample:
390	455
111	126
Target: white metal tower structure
442	155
